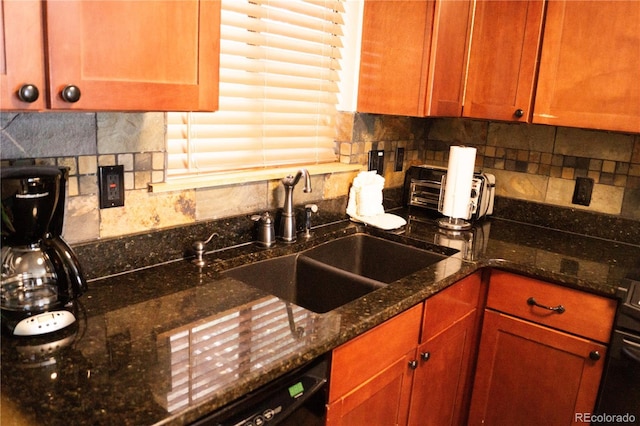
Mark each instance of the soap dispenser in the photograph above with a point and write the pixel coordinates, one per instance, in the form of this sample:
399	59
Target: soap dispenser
265	230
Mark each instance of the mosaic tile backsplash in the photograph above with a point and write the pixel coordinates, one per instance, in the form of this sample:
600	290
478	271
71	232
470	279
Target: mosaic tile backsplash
531	162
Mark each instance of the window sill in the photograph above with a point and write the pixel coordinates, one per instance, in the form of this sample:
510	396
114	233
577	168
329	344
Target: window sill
232	178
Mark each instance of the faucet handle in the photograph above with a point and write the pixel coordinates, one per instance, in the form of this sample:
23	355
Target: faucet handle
311	207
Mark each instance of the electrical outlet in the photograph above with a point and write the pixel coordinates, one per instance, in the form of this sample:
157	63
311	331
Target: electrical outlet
111	183
399	159
376	161
582	191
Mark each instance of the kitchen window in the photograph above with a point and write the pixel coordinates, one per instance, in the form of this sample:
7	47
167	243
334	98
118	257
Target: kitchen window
279	87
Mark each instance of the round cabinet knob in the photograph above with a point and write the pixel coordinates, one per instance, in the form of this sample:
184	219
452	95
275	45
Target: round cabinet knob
518	113
425	356
413	364
595	355
28	93
70	93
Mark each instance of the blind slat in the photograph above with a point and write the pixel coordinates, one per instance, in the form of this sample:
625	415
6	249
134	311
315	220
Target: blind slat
279	87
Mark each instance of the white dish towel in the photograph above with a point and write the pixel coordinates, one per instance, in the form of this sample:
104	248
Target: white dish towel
365	202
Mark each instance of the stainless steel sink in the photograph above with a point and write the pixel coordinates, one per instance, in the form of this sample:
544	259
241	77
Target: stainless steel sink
335	273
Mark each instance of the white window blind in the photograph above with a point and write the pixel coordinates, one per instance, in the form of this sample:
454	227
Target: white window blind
279	75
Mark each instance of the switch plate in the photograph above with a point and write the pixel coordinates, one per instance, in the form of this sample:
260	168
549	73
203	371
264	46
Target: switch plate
111	184
399	159
376	161
582	191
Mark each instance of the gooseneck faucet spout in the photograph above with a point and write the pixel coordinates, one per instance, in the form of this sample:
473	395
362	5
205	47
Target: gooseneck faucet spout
288	221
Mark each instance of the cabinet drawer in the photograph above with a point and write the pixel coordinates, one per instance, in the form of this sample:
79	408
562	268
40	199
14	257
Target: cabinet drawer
365	356
582	313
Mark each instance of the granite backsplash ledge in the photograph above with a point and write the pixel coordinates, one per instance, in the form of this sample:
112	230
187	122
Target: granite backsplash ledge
597	225
128	253
102	258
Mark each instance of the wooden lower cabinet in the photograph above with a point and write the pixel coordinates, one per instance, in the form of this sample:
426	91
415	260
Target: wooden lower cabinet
441	384
431	365
414	369
542	353
528	374
381	400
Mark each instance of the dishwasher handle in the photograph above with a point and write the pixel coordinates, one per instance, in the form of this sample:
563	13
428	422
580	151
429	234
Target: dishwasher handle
631	350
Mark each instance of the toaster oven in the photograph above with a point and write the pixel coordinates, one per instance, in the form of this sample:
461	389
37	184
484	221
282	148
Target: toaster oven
423	189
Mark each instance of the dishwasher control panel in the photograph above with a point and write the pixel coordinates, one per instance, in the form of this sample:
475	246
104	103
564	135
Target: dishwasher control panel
273	402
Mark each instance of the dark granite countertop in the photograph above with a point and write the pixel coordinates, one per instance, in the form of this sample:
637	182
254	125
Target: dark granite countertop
170	343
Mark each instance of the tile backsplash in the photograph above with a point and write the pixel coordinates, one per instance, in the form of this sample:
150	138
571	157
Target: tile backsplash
531	162
540	163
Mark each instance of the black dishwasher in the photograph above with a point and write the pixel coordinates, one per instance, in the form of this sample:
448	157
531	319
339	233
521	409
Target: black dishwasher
619	397
298	398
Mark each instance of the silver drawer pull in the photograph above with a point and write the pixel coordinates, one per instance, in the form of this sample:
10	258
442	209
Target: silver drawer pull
558	309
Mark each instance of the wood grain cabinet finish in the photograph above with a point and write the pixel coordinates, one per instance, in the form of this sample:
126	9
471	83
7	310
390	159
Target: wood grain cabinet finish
413	57
502	59
415	369
529	373
156	55
370	378
21	54
446	355
590	66
584	314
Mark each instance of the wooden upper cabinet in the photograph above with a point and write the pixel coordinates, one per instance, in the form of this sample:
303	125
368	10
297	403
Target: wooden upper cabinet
154	55
502	59
21	55
590	66
413	57
448	58
134	55
395	36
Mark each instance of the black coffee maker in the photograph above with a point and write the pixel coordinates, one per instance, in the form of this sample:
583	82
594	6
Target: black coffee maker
41	275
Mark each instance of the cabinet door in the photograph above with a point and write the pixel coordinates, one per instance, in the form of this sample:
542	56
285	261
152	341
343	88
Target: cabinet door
590	66
502	62
413	57
382	400
370	376
528	374
21	54
448	58
396	36
134	55
441	382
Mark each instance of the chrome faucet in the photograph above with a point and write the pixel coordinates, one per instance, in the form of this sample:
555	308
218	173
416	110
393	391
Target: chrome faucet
287	231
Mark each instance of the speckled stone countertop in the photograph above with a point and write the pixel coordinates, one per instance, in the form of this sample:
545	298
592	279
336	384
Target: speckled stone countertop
168	344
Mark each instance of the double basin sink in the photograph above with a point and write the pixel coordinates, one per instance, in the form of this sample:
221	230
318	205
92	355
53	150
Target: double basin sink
337	272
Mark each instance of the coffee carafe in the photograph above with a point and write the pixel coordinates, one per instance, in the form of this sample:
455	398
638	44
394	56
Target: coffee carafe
41	275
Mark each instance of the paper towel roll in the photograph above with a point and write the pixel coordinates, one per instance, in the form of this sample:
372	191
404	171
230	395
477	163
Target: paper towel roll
457	190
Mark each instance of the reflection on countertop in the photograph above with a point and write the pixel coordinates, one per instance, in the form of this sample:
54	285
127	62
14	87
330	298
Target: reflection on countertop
171	343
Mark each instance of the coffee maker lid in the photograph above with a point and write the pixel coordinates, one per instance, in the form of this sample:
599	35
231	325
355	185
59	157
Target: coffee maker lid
25	172
29	197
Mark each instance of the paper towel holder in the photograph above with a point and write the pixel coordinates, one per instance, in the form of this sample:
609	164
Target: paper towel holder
448	222
454	223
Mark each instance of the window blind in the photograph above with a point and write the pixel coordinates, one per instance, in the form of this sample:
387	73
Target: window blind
279	76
